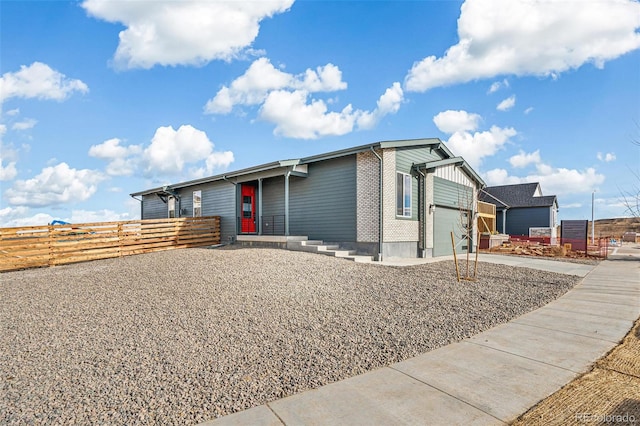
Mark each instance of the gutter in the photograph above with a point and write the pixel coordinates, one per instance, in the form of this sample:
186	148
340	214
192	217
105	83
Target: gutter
380	204
424	210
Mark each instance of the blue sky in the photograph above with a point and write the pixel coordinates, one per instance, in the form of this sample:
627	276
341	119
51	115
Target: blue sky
103	98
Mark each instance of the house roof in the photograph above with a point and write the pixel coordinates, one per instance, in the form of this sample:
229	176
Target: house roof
514	196
435	143
457	161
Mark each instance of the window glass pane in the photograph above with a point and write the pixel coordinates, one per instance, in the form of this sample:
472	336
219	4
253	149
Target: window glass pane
171	202
246	207
407	195
197	203
399	193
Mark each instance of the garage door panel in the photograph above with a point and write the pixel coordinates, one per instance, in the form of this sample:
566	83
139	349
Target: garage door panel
445	221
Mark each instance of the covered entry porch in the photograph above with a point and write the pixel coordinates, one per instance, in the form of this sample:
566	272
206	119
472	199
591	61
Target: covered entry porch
263	203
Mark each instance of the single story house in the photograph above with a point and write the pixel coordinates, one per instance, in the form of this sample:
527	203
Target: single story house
521	207
387	199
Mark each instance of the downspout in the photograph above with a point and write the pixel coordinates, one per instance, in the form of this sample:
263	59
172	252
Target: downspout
235	215
421	197
504	220
380	205
259	206
286	203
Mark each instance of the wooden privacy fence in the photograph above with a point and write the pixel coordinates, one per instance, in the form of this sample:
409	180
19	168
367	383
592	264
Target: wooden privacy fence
34	246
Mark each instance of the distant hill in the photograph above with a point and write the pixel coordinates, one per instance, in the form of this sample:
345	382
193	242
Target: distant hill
616	227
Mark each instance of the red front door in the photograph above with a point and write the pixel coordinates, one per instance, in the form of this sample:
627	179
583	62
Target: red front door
248	209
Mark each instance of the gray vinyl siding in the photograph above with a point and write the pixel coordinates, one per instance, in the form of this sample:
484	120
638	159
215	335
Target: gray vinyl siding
153	207
519	220
273	196
323	205
405	159
218	199
451	194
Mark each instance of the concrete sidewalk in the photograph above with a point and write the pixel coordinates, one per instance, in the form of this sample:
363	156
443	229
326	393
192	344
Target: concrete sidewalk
490	378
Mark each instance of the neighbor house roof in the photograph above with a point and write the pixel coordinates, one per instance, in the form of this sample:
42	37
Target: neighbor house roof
434	143
514	196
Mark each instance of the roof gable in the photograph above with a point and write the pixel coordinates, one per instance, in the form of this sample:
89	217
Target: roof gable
519	195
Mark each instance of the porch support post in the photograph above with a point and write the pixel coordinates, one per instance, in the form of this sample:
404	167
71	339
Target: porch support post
504	221
259	213
286	203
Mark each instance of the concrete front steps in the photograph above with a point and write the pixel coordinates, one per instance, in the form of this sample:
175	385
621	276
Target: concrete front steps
318	246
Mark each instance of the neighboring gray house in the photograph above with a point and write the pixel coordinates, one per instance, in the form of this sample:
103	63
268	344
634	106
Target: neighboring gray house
395	198
520	207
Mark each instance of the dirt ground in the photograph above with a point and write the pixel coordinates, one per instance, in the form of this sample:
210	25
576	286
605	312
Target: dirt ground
608	394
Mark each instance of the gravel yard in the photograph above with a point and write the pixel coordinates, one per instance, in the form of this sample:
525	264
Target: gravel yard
184	336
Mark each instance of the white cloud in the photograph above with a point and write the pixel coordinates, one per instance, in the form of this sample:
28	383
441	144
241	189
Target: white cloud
524	37
523	159
54	185
295	118
572	206
171	150
285	100
497	85
8	160
528	110
22	216
39	81
13	112
554	181
185	32
123	160
498	177
388	103
18	216
29	123
456	121
9	171
91	216
608	157
261	78
473	147
507	103
3	130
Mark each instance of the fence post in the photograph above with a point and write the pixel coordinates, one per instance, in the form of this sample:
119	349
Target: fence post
176	229
120	236
50	261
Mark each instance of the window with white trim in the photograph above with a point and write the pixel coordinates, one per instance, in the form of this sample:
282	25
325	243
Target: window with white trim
197	203
171	204
403	194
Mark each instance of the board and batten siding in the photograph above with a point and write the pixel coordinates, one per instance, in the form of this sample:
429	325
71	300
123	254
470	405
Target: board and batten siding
322	205
153	207
519	220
